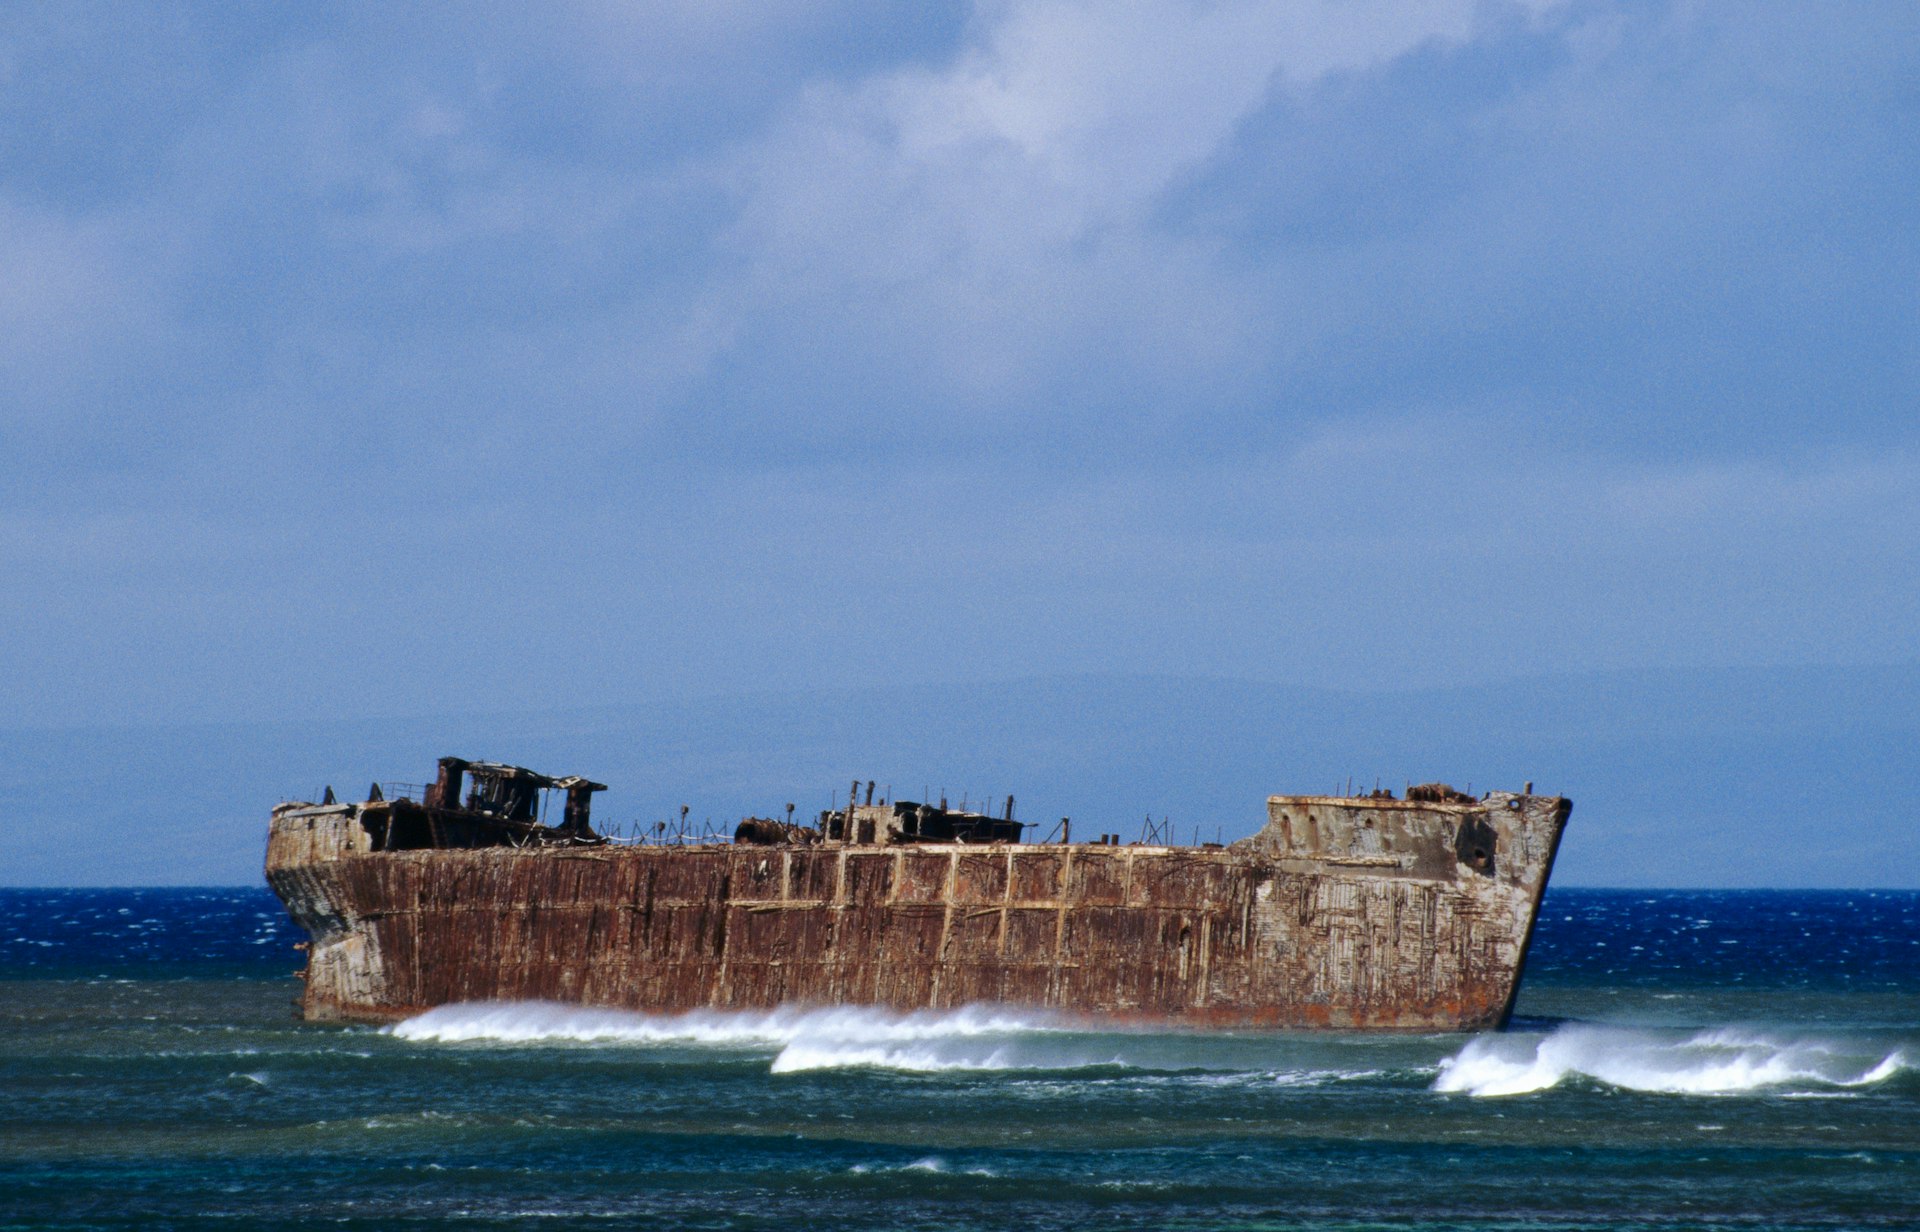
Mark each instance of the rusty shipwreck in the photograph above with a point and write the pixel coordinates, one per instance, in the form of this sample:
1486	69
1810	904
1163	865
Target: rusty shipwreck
1347	912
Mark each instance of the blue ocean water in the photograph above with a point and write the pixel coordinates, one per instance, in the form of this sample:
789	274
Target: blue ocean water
1680	1060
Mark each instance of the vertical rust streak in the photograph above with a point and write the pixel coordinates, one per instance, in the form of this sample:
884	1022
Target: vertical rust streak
942	957
1205	992
1057	977
1006	901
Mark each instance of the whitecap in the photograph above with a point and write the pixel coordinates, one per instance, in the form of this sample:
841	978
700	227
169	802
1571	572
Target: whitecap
973	1037
1715	1061
928	1163
522	1021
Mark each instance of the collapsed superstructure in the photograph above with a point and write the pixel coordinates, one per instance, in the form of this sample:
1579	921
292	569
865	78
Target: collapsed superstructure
503	807
886	823
1357	912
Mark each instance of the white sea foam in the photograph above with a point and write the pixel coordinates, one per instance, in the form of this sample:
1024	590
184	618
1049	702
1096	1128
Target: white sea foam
805	1039
975	1038
983	1038
1709	1062
931	1163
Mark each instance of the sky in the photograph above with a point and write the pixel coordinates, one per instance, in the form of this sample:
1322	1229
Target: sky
363	359
1727	777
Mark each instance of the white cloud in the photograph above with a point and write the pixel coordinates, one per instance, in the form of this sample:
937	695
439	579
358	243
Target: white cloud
1112	100
1063	117
984	230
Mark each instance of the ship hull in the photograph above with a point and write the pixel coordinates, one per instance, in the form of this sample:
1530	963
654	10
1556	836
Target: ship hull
1319	922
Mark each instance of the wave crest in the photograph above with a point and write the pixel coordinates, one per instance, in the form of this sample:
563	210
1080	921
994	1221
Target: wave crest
1719	1061
1713	1061
973	1037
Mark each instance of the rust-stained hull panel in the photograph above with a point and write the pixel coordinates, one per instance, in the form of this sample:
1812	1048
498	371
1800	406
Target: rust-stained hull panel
1341	914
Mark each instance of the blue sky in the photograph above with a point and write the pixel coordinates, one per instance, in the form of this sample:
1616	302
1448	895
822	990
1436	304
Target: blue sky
357	359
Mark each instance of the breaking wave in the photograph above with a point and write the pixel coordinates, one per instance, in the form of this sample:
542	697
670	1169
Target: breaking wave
974	1037
1715	1061
1719	1061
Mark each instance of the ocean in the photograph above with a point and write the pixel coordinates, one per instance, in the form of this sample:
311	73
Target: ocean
1679	1059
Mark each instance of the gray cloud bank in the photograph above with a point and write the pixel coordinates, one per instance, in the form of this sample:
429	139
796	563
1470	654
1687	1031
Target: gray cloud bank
362	361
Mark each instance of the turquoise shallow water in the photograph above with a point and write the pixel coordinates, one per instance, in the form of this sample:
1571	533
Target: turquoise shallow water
1682	1060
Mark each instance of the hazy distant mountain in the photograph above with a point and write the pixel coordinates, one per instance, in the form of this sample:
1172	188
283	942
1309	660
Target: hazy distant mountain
1725	777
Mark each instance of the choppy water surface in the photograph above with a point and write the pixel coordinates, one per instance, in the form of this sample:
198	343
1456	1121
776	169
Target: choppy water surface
1682	1060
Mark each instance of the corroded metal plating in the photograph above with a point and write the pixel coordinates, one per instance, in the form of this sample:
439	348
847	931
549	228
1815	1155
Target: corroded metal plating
1356	913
